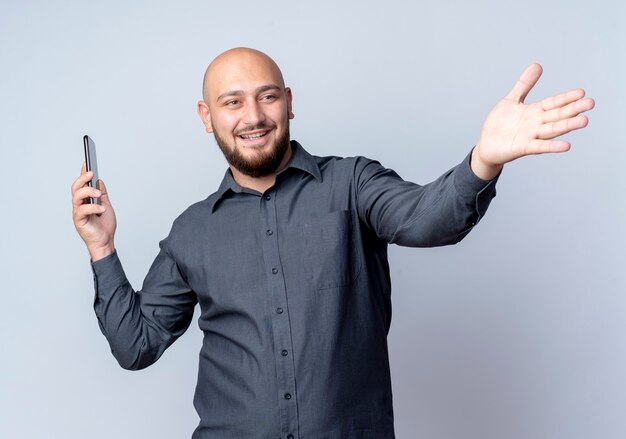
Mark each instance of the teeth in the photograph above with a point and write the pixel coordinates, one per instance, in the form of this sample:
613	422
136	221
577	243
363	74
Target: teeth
253	136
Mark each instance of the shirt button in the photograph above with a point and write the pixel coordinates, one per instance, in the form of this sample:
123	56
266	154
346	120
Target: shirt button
279	310
274	270
284	352
269	232
268	197
287	395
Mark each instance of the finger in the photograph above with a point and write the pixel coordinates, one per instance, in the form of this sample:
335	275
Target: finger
570	110
101	186
84	210
104	198
562	99
555	129
538	146
525	83
82	180
83	193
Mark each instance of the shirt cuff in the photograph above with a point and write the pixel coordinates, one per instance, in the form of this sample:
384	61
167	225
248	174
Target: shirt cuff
472	187
107	271
469	184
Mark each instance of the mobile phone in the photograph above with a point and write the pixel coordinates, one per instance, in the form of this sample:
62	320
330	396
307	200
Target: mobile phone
91	164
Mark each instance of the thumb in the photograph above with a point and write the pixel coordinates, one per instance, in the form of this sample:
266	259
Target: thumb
525	83
104	197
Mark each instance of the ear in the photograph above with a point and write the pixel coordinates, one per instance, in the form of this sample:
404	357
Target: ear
289	97
205	115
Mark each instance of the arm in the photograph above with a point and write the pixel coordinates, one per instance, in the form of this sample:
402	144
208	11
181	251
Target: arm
444	211
141	325
440	213
138	325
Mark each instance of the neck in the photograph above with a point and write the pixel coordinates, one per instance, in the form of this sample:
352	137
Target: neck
260	184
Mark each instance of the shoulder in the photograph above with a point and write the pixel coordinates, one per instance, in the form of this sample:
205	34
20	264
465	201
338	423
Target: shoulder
352	166
331	165
190	222
195	213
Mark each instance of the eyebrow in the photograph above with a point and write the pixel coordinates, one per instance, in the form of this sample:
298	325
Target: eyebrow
258	90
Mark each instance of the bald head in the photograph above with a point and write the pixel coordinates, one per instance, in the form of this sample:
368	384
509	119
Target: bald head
234	68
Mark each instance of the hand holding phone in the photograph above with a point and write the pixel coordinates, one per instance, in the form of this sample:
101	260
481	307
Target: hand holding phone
93	215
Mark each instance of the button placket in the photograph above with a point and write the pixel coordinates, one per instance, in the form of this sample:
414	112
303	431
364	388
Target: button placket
281	328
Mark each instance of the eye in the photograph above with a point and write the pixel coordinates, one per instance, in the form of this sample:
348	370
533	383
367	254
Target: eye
232	102
268	98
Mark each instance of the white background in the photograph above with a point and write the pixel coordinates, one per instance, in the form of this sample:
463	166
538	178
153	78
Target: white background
517	332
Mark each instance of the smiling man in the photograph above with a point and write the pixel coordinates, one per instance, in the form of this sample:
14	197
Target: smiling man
247	107
288	258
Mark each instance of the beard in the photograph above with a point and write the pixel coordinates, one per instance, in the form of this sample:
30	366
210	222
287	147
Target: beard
264	163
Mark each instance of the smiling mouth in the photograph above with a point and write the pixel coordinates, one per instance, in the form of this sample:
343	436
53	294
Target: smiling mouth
253	136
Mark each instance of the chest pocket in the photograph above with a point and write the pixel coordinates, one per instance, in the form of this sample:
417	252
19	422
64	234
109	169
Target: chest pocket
332	250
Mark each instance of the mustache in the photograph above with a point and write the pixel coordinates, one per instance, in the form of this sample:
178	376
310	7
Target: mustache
258	127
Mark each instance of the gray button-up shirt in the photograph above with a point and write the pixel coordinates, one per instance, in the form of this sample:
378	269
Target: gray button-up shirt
294	291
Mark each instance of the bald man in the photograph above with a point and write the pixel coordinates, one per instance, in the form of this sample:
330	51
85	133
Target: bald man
288	258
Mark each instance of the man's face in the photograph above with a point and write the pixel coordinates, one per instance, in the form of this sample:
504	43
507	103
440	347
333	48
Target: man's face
248	112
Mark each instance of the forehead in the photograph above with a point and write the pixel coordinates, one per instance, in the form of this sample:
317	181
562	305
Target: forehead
241	72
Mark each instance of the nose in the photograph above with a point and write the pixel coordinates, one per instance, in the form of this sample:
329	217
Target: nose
254	113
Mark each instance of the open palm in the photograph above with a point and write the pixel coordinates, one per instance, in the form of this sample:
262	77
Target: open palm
514	129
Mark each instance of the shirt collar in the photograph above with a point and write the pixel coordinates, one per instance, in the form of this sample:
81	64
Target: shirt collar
300	159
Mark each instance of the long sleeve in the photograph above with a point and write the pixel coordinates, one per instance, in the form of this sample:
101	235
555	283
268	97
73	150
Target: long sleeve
140	325
407	214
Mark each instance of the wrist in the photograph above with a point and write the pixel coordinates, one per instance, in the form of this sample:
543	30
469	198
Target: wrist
98	253
483	169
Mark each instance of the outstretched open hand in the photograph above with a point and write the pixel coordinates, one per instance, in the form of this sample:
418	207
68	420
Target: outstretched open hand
514	129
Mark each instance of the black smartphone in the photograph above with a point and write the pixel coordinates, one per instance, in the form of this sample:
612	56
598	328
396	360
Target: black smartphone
91	164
